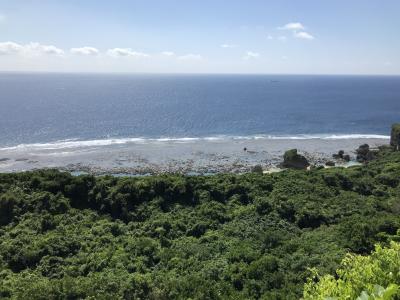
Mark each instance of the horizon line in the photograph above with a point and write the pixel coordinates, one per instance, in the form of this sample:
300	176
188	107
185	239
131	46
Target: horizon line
193	73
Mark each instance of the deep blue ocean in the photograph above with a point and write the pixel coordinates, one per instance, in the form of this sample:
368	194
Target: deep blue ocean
41	108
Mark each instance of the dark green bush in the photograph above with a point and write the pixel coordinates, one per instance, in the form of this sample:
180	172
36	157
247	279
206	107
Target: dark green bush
226	236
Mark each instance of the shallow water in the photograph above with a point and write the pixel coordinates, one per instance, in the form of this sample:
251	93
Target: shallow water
189	157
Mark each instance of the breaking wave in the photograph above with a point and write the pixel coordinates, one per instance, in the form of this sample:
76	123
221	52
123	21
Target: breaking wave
75	143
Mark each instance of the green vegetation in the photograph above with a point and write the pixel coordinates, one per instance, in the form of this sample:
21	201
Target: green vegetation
249	236
361	277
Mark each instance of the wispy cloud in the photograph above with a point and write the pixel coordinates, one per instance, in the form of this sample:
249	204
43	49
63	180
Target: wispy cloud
10	48
2	18
270	37
125	52
47	49
31	49
85	51
251	55
191	57
35	49
229	46
298	30
168	53
303	35
292	26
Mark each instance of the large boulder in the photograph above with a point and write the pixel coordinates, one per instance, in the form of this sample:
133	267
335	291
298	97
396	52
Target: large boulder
395	136
338	155
363	149
293	160
364	154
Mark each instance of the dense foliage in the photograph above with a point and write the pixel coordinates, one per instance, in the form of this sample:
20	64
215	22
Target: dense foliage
361	277
227	236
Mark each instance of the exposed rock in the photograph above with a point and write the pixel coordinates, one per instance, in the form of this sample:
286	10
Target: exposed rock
395	136
364	154
339	155
363	150
330	163
291	159
346	157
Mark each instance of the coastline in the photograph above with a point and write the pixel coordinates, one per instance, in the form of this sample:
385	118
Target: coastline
190	156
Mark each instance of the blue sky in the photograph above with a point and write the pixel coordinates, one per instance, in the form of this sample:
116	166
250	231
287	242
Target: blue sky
289	37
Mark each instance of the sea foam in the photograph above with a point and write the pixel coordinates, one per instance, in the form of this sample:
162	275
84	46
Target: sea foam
74	143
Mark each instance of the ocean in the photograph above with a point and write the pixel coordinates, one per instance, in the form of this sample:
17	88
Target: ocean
150	124
45	108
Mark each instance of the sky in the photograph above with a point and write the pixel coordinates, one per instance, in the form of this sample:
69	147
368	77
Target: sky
207	36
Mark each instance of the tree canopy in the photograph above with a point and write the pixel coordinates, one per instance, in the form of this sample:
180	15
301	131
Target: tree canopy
250	236
360	277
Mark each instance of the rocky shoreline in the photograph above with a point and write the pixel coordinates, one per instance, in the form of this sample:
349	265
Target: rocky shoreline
191	158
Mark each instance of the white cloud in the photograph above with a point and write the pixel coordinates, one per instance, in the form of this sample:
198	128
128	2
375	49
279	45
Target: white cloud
168	53
229	46
191	57
2	18
284	57
270	37
124	52
303	35
292	26
298	30
251	55
85	51
46	49
10	48
31	49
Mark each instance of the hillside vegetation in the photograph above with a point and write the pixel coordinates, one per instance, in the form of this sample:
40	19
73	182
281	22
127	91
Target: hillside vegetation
248	236
361	277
